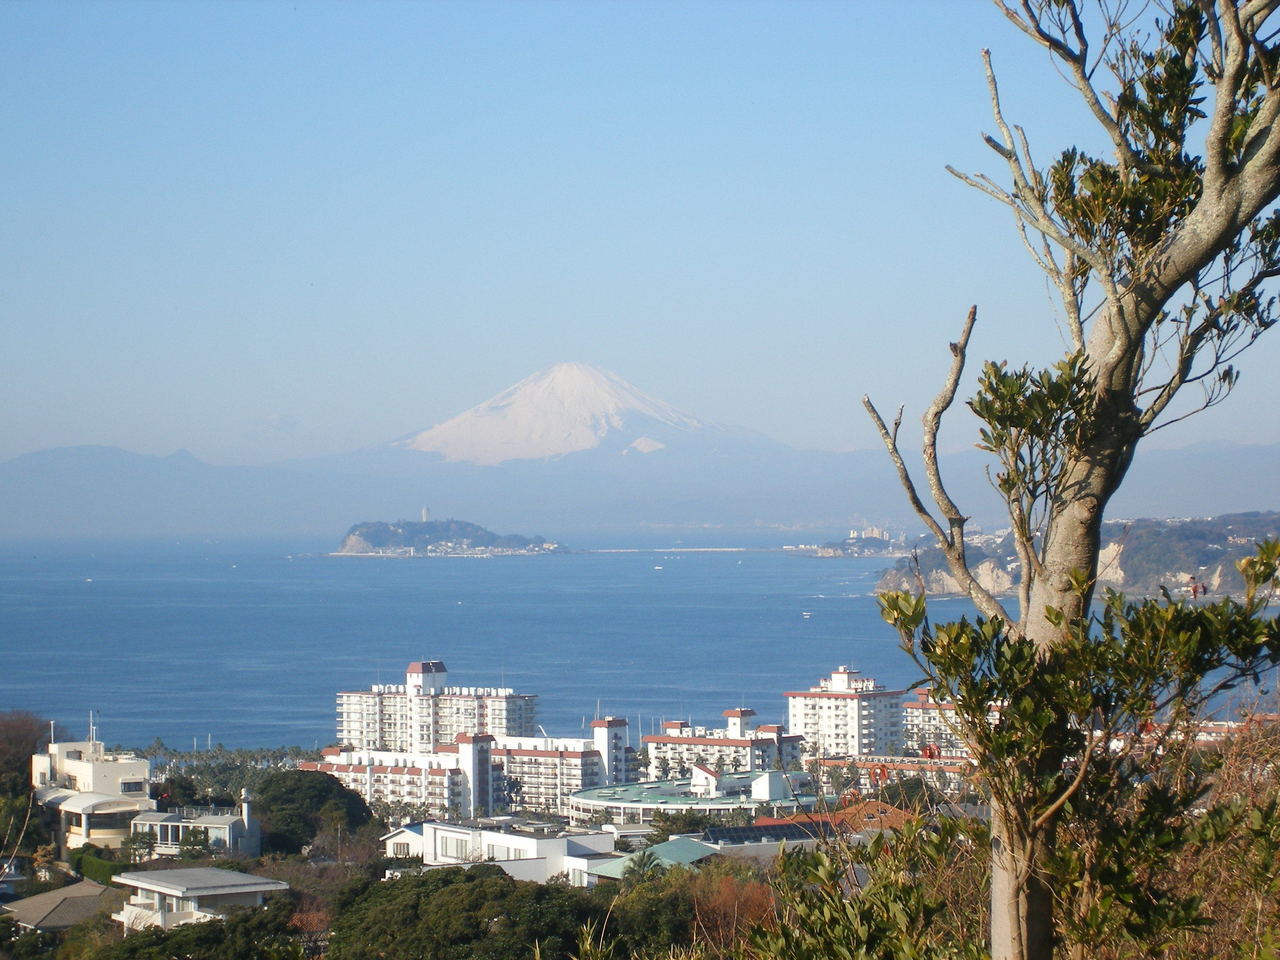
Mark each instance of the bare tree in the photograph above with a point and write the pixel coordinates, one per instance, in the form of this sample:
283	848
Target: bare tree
1159	255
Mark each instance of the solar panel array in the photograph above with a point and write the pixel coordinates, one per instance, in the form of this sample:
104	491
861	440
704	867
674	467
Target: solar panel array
775	832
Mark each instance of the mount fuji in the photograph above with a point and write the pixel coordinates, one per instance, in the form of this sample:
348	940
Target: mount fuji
566	408
573	453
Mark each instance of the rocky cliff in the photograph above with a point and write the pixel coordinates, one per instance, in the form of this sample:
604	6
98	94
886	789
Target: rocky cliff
1138	556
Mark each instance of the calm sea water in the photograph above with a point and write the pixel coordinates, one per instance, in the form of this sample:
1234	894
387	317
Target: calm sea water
247	645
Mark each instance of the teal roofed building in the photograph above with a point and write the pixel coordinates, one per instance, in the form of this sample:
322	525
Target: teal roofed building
770	793
676	852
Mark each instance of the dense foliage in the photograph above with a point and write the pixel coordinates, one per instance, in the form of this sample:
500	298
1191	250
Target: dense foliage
457	914
297	805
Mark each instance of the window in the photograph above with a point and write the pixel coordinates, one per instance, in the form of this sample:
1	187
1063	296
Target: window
400	849
132	786
456	847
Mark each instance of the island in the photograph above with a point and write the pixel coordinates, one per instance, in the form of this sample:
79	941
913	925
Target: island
438	538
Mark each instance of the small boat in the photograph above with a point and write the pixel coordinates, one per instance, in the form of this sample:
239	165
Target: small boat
806	614
657	568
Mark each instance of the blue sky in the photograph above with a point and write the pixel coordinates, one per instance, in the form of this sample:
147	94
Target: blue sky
270	230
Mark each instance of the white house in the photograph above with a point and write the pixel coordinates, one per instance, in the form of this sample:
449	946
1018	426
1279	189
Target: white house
170	898
230	830
527	852
95	793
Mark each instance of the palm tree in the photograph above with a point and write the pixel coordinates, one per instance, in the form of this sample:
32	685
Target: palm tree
641	868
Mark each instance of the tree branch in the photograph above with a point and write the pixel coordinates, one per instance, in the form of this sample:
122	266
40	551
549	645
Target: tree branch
951	539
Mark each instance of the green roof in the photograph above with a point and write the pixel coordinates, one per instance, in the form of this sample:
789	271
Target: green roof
677	852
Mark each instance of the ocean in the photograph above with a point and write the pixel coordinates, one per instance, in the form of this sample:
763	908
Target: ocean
247	644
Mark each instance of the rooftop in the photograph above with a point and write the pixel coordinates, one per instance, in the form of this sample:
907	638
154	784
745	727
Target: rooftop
733	788
198	882
58	909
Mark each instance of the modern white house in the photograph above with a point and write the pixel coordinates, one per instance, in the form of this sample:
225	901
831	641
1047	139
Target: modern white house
524	851
847	715
170	898
96	794
229	830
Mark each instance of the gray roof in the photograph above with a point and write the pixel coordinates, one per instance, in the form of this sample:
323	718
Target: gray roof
170	817
198	881
58	909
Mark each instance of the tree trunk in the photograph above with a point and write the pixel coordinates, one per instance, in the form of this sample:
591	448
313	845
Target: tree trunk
1021	898
1073	538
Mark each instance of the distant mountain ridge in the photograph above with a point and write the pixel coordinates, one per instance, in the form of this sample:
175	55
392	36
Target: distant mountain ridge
603	465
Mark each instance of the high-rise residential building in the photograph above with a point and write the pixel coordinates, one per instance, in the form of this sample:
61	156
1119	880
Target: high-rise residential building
737	747
541	772
478	774
425	712
457	780
930	728
847	715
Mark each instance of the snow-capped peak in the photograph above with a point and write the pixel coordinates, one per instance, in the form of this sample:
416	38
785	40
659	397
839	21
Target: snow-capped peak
563	409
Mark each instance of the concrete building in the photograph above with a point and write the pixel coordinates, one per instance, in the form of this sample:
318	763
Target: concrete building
847	714
478	774
425	712
541	773
170	898
86	767
770	791
230	830
951	776
95	794
525	851
736	748
929	728
455	780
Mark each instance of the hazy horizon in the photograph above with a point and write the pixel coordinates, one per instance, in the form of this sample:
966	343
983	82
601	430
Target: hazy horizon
266	232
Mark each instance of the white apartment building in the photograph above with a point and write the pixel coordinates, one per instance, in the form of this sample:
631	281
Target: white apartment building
524	852
471	777
96	794
735	748
929	728
423	712
540	773
846	715
456	780
951	777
